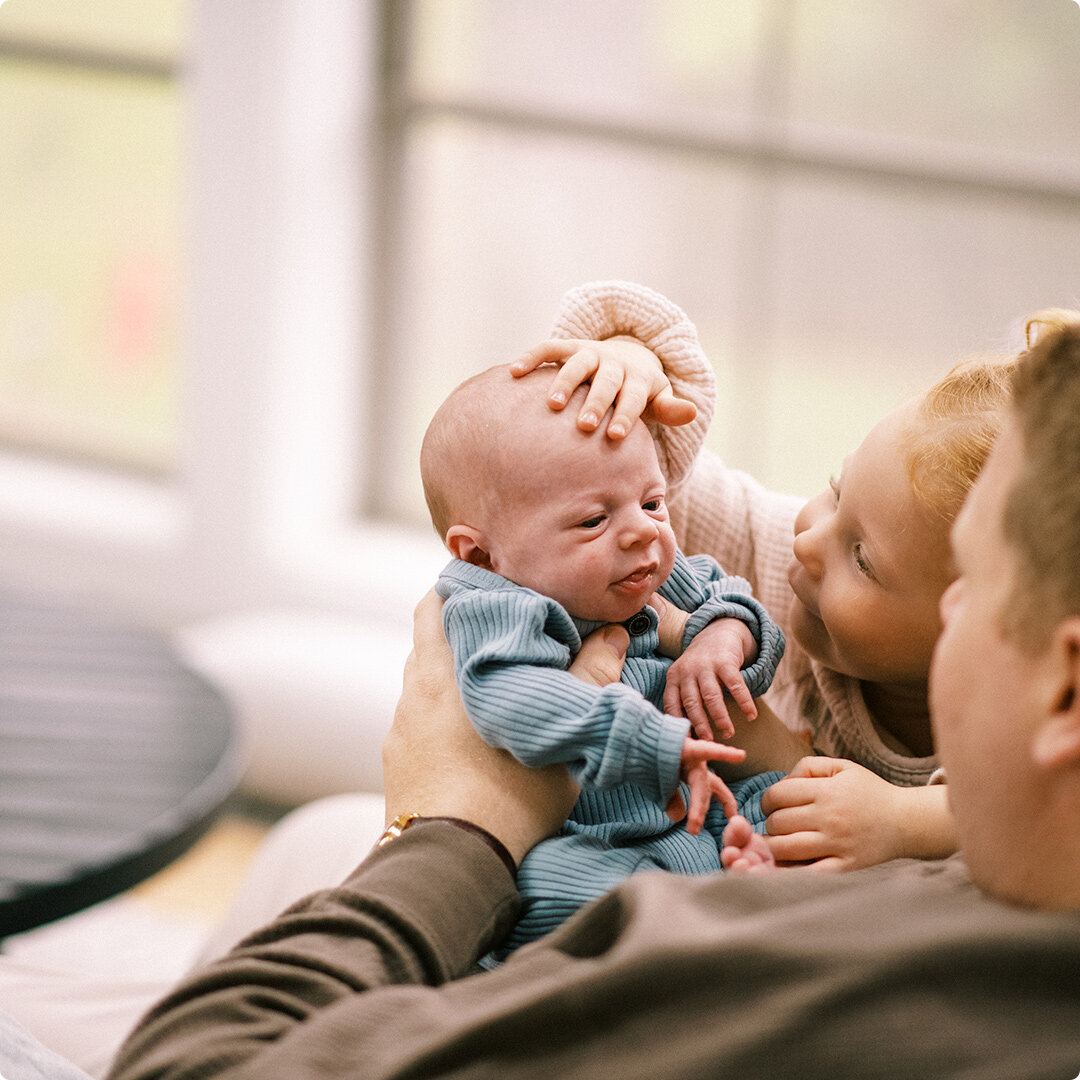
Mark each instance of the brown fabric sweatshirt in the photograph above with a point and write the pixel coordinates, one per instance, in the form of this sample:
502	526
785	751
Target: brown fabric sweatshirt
902	970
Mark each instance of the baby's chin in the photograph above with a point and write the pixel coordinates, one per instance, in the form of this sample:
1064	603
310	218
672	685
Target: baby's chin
614	612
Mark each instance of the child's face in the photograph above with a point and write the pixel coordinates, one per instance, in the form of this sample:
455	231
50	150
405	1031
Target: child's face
870	565
587	523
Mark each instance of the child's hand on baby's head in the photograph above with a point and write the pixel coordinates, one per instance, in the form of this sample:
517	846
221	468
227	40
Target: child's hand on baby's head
621	372
711	664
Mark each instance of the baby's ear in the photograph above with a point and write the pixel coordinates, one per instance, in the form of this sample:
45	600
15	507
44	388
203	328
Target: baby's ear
467	544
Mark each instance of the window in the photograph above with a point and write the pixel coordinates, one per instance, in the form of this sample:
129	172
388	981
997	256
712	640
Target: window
90	227
377	197
845	197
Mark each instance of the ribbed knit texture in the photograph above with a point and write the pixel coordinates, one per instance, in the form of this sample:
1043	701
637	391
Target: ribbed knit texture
512	648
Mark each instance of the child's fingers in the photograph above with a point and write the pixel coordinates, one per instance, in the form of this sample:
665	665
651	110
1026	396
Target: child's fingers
703	728
665	408
577	362
578	367
553	351
800	847
673	699
713	751
689	705
696	751
606	383
630	404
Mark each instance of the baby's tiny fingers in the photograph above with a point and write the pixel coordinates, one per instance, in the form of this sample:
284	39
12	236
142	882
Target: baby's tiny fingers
676	806
737	688
722	794
713	700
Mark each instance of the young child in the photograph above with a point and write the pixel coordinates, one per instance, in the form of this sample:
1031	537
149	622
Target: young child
853	577
555	533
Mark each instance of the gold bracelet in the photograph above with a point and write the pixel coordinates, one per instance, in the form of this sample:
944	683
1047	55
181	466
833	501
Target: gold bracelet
396	828
403	821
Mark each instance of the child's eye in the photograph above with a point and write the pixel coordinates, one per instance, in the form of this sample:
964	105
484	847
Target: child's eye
592	523
652	505
860	561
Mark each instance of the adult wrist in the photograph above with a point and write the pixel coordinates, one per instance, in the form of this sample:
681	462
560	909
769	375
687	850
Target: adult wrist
404	822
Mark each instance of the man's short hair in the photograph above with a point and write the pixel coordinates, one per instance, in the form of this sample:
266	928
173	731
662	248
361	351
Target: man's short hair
1042	512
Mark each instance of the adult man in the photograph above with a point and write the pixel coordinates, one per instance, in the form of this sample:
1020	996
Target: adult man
905	969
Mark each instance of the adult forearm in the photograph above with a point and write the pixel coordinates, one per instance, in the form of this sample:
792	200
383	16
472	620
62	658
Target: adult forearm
768	743
418	912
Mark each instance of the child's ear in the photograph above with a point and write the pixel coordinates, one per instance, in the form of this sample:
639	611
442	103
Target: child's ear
1057	740
467	544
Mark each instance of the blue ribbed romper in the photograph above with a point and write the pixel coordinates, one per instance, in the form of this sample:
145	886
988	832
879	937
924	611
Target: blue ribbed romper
512	648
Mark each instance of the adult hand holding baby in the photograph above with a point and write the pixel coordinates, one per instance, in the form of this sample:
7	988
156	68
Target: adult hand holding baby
436	765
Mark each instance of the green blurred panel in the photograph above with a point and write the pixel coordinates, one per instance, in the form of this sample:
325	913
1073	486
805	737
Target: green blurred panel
151	28
89	175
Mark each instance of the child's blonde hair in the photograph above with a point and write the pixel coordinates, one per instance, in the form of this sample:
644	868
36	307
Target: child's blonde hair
960	417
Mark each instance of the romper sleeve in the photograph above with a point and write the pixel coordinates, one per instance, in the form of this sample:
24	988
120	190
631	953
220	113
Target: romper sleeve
699	585
512	649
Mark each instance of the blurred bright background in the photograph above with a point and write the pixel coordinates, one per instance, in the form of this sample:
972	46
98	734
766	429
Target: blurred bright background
249	245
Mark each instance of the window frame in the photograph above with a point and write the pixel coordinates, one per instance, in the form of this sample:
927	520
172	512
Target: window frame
297	118
262	511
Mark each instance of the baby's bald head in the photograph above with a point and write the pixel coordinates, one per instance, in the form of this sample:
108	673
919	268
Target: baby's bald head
489	428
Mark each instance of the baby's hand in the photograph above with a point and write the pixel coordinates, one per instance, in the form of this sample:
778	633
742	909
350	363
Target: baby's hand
744	851
621	371
712	662
705	785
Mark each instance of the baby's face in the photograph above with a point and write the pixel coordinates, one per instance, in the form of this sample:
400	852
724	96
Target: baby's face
586	523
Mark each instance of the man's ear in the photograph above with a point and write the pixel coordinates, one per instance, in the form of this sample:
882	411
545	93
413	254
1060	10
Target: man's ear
468	545
1057	739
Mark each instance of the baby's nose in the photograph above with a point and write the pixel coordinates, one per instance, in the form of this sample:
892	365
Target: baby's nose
640	529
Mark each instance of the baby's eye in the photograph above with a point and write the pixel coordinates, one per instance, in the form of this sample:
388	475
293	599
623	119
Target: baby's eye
834	485
592	523
652	505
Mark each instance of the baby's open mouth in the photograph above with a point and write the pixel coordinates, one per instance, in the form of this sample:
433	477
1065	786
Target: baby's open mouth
638	576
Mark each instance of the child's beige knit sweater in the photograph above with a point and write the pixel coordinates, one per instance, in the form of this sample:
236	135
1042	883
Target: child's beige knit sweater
747	529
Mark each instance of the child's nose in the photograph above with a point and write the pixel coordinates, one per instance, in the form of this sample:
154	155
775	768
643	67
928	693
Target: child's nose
808	545
949	599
